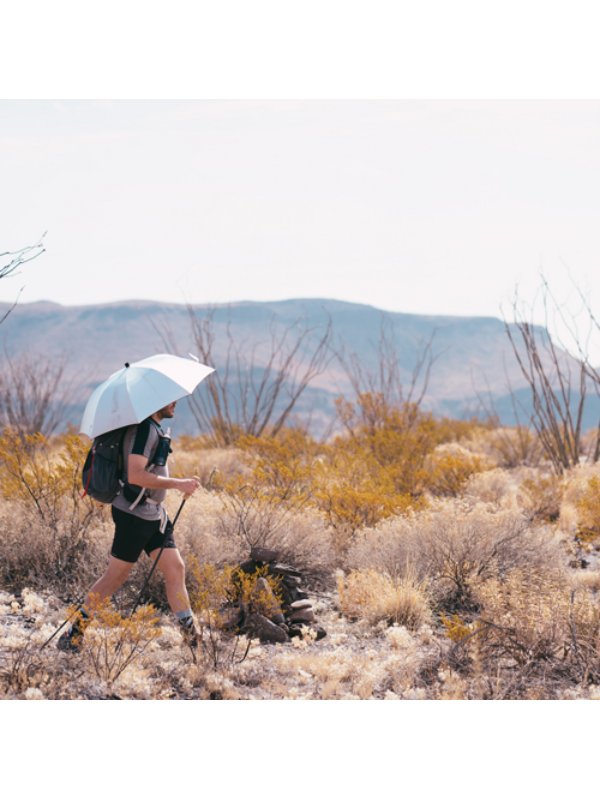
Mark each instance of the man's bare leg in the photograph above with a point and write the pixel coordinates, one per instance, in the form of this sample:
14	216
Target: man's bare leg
114	577
173	569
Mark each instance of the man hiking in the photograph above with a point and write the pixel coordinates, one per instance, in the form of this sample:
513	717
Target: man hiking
142	524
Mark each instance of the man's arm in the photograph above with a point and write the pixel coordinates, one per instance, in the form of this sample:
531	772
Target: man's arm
139	476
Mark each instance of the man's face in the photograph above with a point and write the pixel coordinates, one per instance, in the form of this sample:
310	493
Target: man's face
168	412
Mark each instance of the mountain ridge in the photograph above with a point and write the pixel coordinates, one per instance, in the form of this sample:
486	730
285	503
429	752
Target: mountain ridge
472	356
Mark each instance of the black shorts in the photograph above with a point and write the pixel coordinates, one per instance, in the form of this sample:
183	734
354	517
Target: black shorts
132	535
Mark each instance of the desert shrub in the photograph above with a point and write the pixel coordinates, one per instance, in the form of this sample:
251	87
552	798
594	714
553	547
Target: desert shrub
354	491
589	445
378	468
282	464
588	511
22	667
217	465
375	596
113	642
507	447
448	468
204	530
494	486
49	529
30	555
539	630
213	590
300	536
454	545
540	495
575	499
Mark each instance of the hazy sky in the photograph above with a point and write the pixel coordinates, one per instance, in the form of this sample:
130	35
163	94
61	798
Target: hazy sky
437	207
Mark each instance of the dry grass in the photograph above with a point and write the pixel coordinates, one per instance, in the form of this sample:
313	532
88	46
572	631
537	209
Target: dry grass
374	596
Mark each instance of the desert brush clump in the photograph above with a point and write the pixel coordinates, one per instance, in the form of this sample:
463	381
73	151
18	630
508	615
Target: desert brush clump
375	596
506	447
249	518
496	487
113	641
214	466
454	545
540	495
217	593
588	511
51	534
448	468
539	629
576	517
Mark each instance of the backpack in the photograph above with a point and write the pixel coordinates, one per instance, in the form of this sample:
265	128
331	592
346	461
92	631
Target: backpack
103	467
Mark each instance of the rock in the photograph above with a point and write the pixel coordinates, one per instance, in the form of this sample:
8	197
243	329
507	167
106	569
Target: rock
302	615
298	604
264	629
278	619
263	554
291	580
262	585
292	593
321	632
249	567
579	563
283	569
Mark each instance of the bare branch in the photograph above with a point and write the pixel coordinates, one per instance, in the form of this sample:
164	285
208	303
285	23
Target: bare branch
558	383
384	382
256	385
33	395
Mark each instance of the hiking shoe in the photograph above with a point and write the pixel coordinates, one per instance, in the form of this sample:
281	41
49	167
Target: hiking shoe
191	637
72	640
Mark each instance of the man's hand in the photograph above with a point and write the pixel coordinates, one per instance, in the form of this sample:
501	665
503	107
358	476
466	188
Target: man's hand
188	485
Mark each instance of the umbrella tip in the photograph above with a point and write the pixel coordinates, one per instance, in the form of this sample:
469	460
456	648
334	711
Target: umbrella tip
127	363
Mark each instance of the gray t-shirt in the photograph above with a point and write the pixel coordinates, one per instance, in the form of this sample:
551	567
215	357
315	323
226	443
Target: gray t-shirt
142	440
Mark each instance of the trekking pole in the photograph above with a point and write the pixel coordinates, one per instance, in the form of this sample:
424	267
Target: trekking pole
61	626
147	581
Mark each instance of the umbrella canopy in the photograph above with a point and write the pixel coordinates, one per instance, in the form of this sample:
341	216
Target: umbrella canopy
139	390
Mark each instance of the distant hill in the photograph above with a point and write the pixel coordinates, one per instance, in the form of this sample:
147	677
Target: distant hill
472	357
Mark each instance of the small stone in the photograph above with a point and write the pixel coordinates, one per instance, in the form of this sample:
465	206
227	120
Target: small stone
298	604
284	569
321	632
264	629
263	554
262	585
303	615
